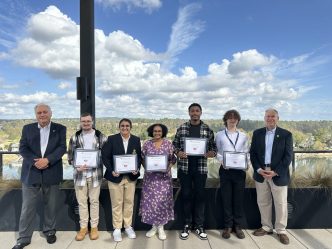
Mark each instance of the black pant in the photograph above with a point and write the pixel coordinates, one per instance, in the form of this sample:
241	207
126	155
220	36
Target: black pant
30	198
193	196
232	183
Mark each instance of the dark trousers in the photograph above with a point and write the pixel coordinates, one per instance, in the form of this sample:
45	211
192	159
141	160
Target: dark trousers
30	197
193	197
232	183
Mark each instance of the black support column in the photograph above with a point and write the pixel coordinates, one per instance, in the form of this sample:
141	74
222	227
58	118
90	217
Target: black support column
86	81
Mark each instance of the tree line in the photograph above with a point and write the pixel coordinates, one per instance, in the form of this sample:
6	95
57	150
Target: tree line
307	135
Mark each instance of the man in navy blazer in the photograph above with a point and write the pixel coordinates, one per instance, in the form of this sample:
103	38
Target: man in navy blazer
271	154
42	146
122	185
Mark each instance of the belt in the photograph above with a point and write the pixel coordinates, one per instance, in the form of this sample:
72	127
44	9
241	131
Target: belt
267	166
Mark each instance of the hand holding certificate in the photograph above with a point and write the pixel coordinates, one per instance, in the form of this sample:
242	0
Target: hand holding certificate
125	163
156	163
195	146
235	160
88	158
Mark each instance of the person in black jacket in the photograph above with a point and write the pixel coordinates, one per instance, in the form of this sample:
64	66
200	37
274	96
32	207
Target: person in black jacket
271	154
122	186
42	146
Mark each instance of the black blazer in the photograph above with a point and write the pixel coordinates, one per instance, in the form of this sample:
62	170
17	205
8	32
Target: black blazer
30	150
114	146
281	158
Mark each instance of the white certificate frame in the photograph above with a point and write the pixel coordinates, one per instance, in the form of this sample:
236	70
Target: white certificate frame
125	163
235	160
195	146
90	158
156	163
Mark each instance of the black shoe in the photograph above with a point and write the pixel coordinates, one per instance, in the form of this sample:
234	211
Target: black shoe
226	234
50	238
20	245
185	232
201	233
239	233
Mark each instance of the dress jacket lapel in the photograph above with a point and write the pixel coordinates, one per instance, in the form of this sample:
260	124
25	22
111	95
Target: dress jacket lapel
120	143
276	140
36	139
262	141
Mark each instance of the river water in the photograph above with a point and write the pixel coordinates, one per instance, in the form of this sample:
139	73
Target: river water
12	169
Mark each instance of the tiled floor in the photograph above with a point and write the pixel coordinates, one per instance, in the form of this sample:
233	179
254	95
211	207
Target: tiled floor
304	238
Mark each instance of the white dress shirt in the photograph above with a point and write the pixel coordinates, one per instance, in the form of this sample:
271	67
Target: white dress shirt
269	137
125	143
89	144
224	144
44	135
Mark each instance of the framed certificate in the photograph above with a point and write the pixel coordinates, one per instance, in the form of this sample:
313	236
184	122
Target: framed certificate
235	160
90	158
125	163
156	163
195	146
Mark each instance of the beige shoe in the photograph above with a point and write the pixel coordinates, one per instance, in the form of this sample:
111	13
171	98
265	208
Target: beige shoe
81	234
94	233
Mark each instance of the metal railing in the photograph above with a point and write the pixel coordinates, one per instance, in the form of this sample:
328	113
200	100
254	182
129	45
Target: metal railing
293	161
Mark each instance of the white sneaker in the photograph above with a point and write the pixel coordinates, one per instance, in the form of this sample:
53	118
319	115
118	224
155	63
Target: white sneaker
117	235
161	233
152	232
130	232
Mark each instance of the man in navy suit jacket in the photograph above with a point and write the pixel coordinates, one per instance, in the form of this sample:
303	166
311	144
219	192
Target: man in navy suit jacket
271	154
42	146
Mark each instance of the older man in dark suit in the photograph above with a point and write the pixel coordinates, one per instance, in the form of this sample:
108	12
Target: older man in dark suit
271	153
42	146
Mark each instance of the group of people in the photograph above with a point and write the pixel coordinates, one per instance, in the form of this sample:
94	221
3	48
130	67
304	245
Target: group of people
43	144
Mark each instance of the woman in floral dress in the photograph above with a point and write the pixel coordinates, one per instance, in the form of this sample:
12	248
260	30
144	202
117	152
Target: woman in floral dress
157	205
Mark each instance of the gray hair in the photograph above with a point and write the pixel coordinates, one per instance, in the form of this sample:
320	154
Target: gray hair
45	105
272	110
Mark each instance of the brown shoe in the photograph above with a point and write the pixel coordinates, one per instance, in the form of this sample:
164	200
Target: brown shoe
94	233
226	234
261	232
81	234
239	233
283	238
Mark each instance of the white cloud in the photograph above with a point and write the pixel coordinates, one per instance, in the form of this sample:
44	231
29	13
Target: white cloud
148	5
248	61
130	79
126	47
22	106
54	50
64	85
184	31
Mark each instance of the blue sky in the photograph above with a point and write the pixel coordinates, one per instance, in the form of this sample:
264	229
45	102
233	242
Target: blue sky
155	57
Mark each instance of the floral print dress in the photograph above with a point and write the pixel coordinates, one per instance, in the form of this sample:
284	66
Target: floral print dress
157	205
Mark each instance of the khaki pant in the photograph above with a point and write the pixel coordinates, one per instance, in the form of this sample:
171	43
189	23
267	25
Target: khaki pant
122	198
265	192
82	194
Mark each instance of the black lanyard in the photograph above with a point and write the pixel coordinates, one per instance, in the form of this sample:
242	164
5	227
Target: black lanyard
237	138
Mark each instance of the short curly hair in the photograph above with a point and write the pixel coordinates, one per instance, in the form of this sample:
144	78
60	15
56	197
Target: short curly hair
229	114
164	130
